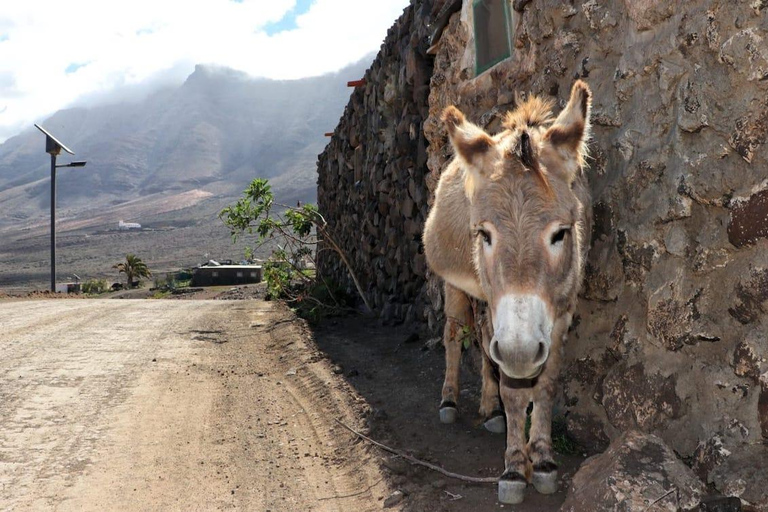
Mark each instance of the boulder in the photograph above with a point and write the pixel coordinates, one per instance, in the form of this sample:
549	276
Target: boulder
638	470
744	474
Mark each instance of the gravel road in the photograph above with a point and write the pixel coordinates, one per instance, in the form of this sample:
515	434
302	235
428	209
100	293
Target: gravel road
174	405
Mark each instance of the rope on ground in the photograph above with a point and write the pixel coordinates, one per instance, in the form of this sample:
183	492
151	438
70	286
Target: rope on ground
415	461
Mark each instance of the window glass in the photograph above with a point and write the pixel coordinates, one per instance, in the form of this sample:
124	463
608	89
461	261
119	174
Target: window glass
492	33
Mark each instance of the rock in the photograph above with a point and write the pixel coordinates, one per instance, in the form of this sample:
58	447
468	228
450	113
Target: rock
394	499
752	295
747	224
635	471
720	504
588	432
708	456
746	360
744	475
762	405
634	398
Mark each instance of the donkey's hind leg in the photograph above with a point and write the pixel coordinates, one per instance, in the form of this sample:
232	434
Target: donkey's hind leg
490	403
458	316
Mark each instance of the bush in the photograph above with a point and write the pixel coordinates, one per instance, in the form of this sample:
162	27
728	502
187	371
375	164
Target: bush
173	281
95	286
296	231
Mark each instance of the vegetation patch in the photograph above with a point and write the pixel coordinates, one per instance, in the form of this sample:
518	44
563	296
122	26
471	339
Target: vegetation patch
290	273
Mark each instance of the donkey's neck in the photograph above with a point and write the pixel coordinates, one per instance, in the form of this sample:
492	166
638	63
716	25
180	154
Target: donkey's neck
448	237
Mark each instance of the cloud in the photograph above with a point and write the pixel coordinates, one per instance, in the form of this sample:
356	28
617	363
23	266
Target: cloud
53	53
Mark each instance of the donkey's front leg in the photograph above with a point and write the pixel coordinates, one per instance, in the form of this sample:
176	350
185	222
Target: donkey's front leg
540	451
513	481
490	403
458	315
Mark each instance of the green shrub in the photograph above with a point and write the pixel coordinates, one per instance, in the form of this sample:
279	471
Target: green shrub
95	286
296	231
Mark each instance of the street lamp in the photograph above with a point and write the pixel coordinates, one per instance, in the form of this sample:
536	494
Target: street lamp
53	147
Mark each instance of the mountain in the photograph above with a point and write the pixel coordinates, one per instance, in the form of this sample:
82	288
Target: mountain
170	161
211	135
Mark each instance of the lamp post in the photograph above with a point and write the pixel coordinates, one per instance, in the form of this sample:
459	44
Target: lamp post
53	147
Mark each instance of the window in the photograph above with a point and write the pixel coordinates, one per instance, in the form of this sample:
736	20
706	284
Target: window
493	37
214	274
253	275
239	274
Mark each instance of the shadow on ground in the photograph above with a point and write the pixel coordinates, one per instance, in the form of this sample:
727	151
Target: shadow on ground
401	379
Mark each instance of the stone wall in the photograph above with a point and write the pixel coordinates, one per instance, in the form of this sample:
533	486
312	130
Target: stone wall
670	335
371	186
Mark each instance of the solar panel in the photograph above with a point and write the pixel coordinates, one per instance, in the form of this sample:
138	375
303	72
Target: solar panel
52	145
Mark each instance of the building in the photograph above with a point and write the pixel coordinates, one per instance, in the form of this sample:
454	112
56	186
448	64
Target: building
124	226
67	287
222	275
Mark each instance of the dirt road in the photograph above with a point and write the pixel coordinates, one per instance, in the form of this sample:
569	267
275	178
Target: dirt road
174	405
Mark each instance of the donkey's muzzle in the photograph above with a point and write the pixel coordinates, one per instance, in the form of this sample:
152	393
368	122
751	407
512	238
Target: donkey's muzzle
519	360
522	335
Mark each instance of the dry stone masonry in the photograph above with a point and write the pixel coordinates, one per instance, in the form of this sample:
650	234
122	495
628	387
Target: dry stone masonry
371	175
671	335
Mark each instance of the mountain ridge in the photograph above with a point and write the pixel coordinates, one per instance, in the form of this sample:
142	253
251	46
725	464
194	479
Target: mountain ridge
213	133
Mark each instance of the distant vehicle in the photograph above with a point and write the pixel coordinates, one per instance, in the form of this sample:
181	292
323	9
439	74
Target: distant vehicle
128	225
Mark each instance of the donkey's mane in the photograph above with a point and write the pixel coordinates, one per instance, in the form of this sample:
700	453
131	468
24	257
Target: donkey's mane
531	113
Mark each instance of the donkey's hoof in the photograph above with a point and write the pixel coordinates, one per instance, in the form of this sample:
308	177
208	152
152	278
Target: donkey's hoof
496	423
545	482
512	492
448	412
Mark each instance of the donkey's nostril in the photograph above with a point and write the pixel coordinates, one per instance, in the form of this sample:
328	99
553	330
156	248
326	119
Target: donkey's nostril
541	354
495	354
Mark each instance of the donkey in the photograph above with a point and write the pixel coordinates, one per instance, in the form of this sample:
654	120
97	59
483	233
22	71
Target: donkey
509	227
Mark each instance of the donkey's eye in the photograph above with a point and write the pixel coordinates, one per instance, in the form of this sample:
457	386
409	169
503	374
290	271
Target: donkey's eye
486	236
559	235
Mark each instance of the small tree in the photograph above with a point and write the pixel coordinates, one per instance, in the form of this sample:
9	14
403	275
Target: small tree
298	230
133	268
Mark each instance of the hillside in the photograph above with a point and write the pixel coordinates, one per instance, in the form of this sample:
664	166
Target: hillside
171	159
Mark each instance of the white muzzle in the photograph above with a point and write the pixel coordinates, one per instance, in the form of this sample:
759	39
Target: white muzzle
522	335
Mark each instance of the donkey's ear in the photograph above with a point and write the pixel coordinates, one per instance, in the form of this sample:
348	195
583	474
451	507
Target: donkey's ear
470	141
570	131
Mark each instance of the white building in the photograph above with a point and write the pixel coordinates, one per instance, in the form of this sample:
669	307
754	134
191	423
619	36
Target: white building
128	225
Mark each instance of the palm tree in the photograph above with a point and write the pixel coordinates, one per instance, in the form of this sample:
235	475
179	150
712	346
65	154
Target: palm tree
133	267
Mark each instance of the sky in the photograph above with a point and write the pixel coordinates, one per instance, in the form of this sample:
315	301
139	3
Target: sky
56	53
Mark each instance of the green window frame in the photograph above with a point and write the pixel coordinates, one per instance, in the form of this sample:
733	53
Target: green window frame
493	33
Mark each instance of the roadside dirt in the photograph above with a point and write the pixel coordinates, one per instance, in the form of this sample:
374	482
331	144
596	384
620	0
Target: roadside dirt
175	405
400	378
